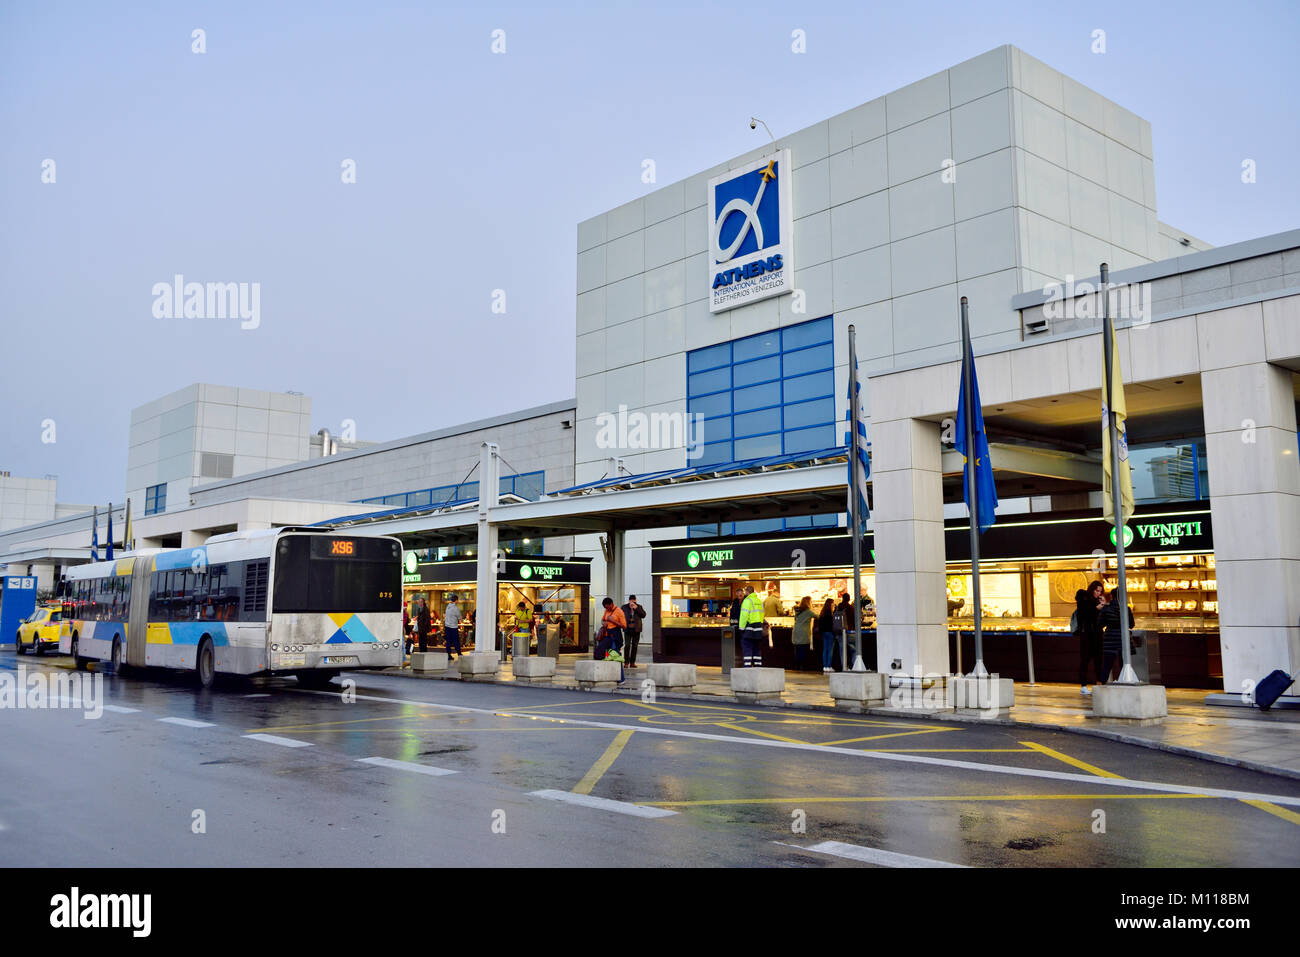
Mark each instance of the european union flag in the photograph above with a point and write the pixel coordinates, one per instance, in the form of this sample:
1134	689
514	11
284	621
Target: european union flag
986	495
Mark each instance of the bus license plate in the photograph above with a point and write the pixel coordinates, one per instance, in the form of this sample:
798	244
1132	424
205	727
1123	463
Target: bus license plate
342	660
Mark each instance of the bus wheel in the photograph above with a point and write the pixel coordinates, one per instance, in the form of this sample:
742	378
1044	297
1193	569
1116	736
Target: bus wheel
316	679
77	660
206	663
116	659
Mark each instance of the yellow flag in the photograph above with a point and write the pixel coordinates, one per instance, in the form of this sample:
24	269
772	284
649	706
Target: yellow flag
1121	431
128	533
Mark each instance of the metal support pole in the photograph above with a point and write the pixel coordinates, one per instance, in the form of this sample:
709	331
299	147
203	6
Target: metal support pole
1029	650
968	376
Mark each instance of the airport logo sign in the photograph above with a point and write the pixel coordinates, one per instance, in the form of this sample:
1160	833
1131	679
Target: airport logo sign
751	233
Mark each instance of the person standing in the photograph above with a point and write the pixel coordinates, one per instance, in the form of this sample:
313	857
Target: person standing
451	624
801	635
612	623
634	614
751	629
772	603
406	630
1112	637
1087	603
844	611
422	623
826	626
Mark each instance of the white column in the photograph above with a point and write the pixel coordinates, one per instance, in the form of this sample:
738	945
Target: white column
615	577
911	605
1250	435
485	613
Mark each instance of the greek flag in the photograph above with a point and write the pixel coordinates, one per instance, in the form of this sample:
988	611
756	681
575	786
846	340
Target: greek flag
110	532
94	535
857	444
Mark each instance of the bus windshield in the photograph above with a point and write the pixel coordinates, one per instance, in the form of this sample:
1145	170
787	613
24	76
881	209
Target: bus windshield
319	573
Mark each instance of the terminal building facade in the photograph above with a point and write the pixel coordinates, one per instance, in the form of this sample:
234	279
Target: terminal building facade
703	449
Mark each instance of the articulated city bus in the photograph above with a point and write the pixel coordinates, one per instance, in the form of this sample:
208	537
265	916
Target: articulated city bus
282	601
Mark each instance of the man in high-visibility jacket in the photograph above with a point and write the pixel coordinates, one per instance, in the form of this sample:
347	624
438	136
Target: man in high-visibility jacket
751	629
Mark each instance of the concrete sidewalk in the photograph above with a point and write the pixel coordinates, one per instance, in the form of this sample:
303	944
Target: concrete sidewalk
1242	737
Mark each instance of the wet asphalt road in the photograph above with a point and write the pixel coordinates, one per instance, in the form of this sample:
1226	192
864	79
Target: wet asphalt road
460	767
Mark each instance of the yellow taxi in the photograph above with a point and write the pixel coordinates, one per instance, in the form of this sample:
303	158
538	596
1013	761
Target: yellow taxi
41	630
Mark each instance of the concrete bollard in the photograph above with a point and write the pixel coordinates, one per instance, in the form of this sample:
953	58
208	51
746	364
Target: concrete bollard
1129	704
533	670
426	661
758	685
672	677
988	696
591	673
479	666
858	690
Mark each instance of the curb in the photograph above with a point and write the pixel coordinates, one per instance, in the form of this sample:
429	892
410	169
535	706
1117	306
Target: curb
1117	736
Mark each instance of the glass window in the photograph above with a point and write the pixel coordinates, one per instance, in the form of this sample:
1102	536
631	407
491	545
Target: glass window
816	385
757	396
809	360
807	334
714	453
758	423
751	347
530	485
759	447
758	525
714	430
155	499
702	383
818	412
710	358
711	405
762	370
809	440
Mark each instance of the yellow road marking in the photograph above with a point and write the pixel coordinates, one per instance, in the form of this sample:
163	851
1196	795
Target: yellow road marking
1073	762
926	797
1283	813
892	734
603	762
761	734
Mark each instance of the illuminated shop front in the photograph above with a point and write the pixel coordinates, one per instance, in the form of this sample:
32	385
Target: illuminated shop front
1031	567
551	588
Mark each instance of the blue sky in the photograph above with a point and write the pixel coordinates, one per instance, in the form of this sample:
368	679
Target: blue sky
473	171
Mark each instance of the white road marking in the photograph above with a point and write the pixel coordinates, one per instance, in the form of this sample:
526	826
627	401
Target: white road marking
603	804
119	709
1089	779
187	722
406	766
276	739
257	696
869	855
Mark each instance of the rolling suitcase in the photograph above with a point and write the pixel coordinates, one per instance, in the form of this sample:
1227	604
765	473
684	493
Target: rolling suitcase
1271	688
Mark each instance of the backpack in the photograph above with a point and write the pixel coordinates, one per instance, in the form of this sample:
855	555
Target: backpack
838	620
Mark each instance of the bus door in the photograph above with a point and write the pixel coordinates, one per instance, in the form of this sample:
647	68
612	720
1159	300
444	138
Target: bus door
137	632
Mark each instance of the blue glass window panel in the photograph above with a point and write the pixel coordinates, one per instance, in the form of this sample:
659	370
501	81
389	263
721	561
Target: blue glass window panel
714	430
825	521
763	344
806	440
530	485
710	358
418	498
807	334
816	385
397	500
802	521
714	452
809	360
763	370
757	396
758	525
758	447
817	412
711	405
758	423
701	383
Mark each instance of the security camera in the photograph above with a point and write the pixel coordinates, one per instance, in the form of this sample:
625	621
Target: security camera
753	123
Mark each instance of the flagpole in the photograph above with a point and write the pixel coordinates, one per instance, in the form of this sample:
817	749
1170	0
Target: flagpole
855	519
968	395
1126	675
